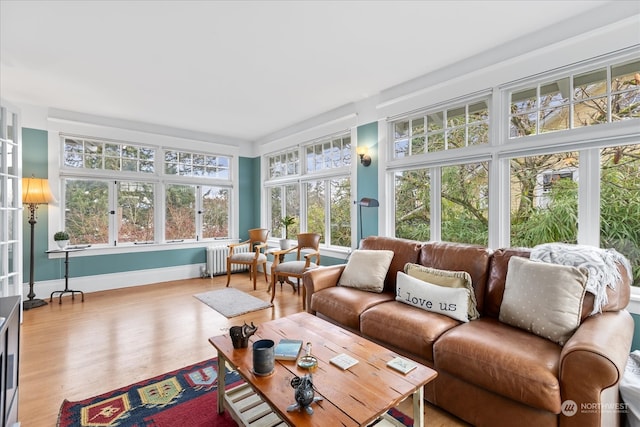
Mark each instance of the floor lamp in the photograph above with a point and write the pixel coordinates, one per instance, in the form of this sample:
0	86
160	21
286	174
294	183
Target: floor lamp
35	191
367	203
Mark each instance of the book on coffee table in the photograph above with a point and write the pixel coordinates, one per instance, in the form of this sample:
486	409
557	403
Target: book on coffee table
402	365
343	361
287	349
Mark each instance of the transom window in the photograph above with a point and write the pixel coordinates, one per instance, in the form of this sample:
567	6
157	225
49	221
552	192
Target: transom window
439	130
184	163
331	154
284	164
603	95
82	153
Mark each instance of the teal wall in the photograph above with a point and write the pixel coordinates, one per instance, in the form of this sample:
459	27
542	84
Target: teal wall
34	163
368	179
249	177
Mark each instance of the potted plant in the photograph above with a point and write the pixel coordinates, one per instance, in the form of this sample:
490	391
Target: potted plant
61	238
286	222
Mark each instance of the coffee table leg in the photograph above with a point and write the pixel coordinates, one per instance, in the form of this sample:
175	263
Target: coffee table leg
222	371
418	407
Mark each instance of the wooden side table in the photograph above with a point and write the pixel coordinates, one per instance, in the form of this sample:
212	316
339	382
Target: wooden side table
66	289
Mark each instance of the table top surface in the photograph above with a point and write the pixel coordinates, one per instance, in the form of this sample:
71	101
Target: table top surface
352	397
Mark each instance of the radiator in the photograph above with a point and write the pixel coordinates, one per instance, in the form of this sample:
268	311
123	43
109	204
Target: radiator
217	260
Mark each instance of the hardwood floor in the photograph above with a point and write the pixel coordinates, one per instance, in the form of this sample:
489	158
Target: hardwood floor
76	350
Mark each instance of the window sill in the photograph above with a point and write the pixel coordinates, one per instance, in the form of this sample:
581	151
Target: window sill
130	248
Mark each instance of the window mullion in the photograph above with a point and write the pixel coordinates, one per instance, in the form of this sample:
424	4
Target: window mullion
113	213
436	203
589	197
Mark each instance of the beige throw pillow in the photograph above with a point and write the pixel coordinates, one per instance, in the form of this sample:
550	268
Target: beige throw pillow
543	298
452	302
366	270
446	278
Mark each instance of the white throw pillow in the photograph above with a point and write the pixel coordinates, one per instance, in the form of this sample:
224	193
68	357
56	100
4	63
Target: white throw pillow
366	270
446	278
542	298
452	302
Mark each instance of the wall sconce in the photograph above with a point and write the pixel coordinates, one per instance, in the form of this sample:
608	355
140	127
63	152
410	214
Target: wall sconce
365	158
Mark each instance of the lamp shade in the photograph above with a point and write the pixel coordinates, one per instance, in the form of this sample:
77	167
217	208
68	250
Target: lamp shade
36	191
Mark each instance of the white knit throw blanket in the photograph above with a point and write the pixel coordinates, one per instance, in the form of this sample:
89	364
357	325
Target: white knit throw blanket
601	264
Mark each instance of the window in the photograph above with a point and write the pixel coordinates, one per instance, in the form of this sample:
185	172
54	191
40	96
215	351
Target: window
329	209
542	197
440	130
602	95
82	153
180	212
412	207
196	165
284	164
321	189
620	202
464	203
86	206
331	154
136	202
111	188
285	201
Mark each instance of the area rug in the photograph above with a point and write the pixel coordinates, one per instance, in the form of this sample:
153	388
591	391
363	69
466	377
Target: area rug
184	397
231	302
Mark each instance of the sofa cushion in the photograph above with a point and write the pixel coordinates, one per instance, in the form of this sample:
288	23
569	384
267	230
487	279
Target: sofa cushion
404	250
451	279
618	298
449	301
474	259
543	298
497	276
344	305
404	327
505	360
366	270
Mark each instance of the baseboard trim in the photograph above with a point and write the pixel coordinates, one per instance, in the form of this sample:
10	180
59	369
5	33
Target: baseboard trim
105	282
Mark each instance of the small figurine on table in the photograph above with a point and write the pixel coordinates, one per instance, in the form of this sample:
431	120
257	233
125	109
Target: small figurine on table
304	394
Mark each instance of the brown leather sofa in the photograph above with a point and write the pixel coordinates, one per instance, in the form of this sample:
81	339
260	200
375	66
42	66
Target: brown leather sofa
489	373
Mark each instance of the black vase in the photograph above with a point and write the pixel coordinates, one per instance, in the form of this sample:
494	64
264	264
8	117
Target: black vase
263	357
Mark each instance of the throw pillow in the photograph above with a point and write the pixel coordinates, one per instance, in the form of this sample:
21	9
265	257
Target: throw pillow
446	278
452	302
543	298
366	270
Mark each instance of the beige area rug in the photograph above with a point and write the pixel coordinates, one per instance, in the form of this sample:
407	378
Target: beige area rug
231	302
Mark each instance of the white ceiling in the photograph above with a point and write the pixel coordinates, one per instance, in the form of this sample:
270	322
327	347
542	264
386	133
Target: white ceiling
243	69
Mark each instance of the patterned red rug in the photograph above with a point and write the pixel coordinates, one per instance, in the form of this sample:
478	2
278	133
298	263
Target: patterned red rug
185	397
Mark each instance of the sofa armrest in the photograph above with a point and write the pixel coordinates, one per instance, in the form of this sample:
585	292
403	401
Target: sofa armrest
592	363
320	278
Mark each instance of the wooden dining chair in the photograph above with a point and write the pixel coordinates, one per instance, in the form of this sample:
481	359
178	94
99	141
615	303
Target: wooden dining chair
255	256
308	247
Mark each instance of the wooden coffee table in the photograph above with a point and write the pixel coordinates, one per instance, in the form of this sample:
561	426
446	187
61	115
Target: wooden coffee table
354	397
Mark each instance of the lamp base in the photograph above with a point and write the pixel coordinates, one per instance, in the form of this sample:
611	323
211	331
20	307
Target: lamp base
33	303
